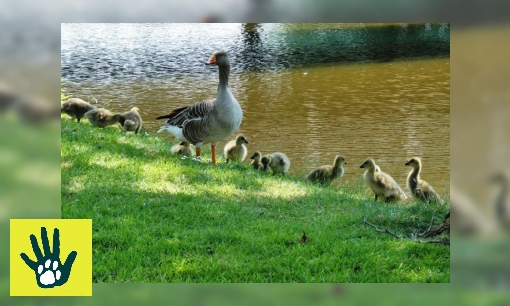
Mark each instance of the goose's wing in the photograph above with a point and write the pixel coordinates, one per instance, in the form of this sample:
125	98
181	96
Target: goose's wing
194	111
384	180
314	175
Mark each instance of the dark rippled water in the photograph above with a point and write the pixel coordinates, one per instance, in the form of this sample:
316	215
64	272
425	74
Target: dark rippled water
311	91
99	52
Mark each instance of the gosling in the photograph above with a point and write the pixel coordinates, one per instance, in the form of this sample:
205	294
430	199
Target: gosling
235	150
420	190
277	162
255	163
131	121
328	173
382	184
101	117
76	108
183	148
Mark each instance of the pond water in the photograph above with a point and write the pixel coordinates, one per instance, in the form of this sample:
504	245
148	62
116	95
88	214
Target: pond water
311	91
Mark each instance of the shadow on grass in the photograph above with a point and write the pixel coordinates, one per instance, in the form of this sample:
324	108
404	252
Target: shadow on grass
179	220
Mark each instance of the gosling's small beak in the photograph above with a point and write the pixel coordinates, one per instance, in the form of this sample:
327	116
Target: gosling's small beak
212	60
247	142
361	166
345	163
407	163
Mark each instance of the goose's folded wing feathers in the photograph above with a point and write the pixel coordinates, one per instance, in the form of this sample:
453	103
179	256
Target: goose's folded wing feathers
195	111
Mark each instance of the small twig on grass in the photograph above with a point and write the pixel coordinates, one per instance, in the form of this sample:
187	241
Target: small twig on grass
428	232
433	232
381	231
428	229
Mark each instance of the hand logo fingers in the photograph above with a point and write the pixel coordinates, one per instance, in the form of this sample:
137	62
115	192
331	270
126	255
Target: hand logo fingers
70	260
56	243
35	247
32	264
45	242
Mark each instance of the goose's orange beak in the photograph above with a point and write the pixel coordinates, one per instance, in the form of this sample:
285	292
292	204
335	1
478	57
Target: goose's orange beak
212	60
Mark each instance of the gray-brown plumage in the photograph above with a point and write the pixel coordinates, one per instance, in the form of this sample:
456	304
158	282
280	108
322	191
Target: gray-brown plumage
207	121
328	173
131	121
182	148
420	189
101	117
278	162
76	108
382	184
255	163
235	150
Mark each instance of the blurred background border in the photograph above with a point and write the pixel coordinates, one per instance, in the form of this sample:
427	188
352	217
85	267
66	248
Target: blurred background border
480	99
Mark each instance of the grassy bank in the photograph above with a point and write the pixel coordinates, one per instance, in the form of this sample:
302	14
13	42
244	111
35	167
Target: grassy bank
157	218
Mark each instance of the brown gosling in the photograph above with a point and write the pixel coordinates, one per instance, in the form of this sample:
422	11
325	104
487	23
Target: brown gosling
328	173
255	163
131	121
183	148
420	190
382	184
235	150
278	162
76	108
101	117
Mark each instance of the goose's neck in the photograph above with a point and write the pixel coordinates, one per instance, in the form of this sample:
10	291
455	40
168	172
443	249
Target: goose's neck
415	173
371	172
336	169
501	205
224	73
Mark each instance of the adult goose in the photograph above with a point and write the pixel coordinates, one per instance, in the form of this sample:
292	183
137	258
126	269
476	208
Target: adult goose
211	120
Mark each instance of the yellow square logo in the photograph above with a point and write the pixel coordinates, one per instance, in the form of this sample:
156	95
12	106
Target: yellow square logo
51	257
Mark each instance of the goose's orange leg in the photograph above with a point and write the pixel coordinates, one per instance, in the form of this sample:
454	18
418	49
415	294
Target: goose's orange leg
213	153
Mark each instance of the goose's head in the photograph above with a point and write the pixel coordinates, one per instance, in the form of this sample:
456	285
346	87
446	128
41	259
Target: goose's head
218	58
256	156
240	139
368	164
414	162
339	160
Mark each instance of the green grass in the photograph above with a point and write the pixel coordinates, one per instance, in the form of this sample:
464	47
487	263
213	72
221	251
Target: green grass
157	218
